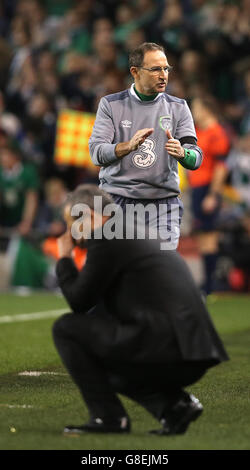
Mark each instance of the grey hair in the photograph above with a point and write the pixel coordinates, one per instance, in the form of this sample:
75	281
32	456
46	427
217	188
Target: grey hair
85	194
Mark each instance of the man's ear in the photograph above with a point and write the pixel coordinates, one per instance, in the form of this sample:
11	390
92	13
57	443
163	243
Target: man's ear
134	71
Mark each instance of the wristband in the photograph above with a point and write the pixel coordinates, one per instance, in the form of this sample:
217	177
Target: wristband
189	159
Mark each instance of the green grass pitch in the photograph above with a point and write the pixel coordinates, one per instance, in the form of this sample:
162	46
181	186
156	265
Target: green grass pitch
34	409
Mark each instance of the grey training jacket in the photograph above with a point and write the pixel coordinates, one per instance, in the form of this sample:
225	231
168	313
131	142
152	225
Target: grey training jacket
148	172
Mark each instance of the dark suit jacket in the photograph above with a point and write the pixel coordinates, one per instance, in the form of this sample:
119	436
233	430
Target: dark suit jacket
145	305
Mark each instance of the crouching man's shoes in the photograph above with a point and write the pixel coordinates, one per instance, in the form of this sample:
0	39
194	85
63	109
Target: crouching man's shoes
120	425
178	418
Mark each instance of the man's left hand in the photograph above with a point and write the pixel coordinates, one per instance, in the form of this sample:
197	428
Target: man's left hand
24	227
209	203
173	146
65	245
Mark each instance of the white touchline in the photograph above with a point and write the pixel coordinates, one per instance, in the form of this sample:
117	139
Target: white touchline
31	316
5	405
36	373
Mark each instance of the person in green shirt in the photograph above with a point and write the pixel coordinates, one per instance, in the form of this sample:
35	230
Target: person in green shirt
18	191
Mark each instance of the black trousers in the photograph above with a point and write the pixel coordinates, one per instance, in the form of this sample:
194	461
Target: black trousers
156	388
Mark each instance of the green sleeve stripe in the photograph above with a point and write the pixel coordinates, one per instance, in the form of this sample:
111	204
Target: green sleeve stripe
189	160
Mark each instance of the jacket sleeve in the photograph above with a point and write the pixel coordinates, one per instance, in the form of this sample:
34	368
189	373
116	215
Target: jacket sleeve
102	150
84	289
185	132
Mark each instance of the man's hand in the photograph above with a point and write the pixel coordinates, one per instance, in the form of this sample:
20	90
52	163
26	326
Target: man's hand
209	203
56	228
65	245
139	137
124	148
24	227
173	146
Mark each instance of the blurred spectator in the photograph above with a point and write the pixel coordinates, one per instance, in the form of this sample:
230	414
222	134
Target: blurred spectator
33	264
8	121
43	28
3	138
193	69
238	165
39	124
232	270
73	33
5	60
21	87
134	39
125	19
78	88
207	183
18	191
174	31
21	41
130	16
3	25
219	55
113	81
49	219
34	14
241	108
235	217
102	31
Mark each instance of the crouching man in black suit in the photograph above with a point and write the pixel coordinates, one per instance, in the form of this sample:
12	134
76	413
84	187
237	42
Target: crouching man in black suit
138	326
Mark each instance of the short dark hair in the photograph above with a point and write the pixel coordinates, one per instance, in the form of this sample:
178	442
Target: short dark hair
85	193
137	55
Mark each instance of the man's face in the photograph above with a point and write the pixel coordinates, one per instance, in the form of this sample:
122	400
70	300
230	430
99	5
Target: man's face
8	159
148	82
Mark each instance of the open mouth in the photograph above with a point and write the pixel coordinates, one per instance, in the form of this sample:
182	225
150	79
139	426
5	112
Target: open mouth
161	85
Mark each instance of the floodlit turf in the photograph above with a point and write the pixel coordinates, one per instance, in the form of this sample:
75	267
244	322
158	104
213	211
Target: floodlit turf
34	409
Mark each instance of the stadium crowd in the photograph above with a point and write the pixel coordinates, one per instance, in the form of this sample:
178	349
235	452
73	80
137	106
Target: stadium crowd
57	54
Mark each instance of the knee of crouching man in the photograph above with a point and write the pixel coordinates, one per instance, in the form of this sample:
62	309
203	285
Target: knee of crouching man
60	325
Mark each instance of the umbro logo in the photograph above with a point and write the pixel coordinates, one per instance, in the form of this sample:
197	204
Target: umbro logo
126	123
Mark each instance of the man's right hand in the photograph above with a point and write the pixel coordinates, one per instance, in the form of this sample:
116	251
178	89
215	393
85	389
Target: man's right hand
65	244
124	148
139	138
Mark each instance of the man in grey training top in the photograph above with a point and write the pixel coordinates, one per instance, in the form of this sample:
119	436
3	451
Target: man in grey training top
138	138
